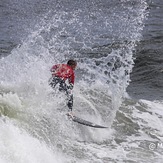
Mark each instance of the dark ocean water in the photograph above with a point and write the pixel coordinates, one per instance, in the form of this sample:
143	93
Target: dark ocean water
147	75
16	23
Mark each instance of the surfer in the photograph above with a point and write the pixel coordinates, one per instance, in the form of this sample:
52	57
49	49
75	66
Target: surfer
64	76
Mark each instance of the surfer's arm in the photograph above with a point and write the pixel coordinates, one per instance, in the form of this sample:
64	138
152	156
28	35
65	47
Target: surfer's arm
53	69
70	86
71	81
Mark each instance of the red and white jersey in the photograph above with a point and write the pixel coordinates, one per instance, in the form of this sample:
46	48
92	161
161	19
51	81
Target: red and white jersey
64	72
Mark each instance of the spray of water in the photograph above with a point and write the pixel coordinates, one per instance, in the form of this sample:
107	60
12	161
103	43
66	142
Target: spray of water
102	41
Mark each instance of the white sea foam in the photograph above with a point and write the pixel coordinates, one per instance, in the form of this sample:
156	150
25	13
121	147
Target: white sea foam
17	146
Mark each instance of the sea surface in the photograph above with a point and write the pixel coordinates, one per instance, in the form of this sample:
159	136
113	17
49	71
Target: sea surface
118	45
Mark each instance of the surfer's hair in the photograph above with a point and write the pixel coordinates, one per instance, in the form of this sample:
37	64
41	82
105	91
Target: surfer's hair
72	62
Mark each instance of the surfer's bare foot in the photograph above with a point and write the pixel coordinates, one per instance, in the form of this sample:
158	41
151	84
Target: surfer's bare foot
70	114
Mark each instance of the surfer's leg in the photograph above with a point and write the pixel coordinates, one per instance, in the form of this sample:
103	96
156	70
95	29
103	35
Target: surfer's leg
68	91
63	88
53	81
70	102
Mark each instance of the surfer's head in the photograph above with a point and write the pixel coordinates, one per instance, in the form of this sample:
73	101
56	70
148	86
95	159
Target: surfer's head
72	63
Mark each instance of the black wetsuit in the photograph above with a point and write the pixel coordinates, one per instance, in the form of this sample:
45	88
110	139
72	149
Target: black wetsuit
63	87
